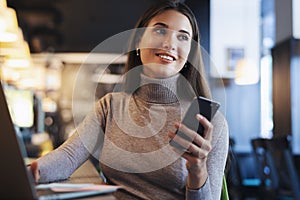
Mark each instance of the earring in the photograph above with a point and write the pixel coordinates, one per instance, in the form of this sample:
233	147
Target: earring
137	51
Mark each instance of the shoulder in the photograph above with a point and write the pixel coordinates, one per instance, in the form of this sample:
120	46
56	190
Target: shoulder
221	129
105	104
219	121
112	97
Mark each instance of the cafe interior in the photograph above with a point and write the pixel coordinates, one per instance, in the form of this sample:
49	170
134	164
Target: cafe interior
251	50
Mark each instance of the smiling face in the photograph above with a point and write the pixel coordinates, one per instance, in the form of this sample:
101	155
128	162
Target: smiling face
165	44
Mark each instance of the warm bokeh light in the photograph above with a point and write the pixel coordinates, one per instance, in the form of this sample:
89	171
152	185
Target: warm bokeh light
8	25
246	73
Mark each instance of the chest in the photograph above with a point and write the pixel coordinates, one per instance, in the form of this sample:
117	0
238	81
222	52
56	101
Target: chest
140	127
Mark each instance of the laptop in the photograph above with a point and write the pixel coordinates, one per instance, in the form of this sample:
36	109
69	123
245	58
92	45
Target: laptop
15	180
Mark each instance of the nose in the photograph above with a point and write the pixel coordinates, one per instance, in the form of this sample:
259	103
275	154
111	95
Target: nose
169	42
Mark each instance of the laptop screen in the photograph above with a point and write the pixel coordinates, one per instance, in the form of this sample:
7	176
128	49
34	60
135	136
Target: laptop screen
16	182
20	104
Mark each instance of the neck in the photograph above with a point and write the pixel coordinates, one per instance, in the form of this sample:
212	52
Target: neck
155	90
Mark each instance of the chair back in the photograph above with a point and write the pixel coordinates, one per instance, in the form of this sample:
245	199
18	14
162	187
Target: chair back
266	166
281	152
232	170
276	166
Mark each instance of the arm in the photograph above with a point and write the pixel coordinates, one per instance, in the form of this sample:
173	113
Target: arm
86	140
62	162
217	157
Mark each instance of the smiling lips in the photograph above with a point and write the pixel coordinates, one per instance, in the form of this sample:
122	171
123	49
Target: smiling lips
166	57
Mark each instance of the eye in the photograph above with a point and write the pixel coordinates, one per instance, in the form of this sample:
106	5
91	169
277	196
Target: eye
161	31
183	37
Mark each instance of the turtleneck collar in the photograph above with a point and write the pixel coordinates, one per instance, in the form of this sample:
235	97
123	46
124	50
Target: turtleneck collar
162	90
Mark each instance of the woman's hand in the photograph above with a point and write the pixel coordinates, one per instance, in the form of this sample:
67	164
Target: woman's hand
197	151
34	169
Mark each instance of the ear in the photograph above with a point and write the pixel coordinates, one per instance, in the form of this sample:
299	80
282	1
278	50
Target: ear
138	40
137	43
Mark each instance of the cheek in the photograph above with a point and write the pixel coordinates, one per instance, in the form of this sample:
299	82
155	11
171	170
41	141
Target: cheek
184	51
145	55
148	42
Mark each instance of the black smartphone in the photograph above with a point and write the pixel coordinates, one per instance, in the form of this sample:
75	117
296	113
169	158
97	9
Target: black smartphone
206	107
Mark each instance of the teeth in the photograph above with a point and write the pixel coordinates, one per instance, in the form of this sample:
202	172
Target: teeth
166	57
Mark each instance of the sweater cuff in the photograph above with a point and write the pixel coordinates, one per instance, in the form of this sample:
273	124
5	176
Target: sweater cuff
203	192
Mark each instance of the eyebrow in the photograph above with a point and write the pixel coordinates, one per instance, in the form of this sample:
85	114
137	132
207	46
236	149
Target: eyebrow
165	25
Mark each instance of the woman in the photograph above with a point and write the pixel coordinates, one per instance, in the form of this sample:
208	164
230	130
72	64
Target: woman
129	131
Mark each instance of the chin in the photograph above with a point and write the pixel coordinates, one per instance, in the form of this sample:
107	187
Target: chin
165	75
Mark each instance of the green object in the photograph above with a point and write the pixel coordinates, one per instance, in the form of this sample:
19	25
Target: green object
224	193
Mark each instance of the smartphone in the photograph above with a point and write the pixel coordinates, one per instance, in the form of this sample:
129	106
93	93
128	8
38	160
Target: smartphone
204	106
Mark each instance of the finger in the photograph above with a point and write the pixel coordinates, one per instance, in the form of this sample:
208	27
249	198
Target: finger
190	153
171	134
182	139
207	126
190	157
188	135
194	157
199	152
185	132
192	135
179	145
35	171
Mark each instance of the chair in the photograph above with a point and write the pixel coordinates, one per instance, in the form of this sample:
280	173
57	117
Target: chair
281	155
238	187
266	167
276	167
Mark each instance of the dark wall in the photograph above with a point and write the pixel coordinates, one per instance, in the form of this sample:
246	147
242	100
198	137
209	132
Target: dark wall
79	26
201	10
281	55
286	98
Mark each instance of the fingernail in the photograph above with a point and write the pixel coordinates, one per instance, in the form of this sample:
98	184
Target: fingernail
199	116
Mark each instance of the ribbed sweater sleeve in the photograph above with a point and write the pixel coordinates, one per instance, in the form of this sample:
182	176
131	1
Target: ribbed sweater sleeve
62	162
84	142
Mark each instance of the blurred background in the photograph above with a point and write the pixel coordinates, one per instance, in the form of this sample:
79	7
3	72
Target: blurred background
252	62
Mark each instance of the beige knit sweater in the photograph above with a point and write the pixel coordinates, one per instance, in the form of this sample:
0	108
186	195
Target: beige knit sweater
128	134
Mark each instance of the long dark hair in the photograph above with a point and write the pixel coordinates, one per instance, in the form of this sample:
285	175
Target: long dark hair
193	71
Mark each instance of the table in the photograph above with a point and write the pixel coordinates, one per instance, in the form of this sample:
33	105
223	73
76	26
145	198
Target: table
87	173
